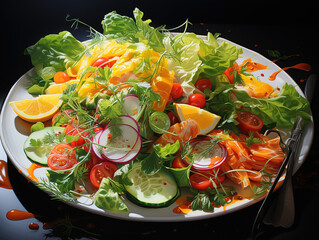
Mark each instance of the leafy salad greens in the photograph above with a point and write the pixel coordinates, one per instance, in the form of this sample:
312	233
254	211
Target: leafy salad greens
111	147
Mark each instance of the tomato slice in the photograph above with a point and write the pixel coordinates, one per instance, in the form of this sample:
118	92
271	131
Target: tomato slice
62	157
178	163
249	122
102	62
201	181
73	131
99	171
203	83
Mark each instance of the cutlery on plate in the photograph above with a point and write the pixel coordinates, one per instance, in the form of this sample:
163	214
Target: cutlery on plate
280	210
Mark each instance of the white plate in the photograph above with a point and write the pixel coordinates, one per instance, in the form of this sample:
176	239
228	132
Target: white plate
14	131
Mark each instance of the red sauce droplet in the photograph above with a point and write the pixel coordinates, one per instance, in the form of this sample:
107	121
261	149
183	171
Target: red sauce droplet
16	215
34	226
4	178
300	66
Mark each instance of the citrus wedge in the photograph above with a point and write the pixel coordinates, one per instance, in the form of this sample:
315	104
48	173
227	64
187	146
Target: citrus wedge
59	88
38	109
207	121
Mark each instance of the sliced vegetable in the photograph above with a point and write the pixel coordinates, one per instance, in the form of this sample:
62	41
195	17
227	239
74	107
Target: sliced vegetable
120	148
39	144
108	199
128	120
159	122
249	122
206	154
202	181
131	105
157	190
62	157
100	171
97	149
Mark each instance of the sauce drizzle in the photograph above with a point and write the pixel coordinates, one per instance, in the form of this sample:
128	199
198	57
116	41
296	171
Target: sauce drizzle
31	169
4	178
253	66
300	66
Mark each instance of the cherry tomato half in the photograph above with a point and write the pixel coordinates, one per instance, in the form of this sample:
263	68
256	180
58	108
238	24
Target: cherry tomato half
99	171
197	100
202	181
62	157
61	77
72	131
203	83
178	163
230	73
249	122
102	62
177	91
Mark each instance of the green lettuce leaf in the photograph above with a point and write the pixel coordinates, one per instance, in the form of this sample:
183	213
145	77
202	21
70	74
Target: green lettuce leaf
126	29
56	51
280	111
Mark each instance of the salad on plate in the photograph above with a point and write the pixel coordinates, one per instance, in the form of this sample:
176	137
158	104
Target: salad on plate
144	115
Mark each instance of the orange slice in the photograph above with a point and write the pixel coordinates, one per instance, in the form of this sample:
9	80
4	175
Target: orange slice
59	88
38	109
207	121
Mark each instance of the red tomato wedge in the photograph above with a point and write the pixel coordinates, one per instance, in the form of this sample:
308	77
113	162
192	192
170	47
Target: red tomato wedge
62	157
249	122
99	171
178	163
201	181
73	131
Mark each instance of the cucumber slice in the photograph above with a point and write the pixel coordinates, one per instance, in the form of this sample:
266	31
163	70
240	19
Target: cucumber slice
39	144
158	190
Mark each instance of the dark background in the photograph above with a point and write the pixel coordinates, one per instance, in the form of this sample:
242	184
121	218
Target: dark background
289	27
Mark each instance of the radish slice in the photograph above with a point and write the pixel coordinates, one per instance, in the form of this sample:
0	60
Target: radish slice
213	159
95	148
131	105
123	148
126	120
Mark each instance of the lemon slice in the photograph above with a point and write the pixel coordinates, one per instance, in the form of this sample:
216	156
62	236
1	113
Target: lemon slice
38	109
207	121
59	88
